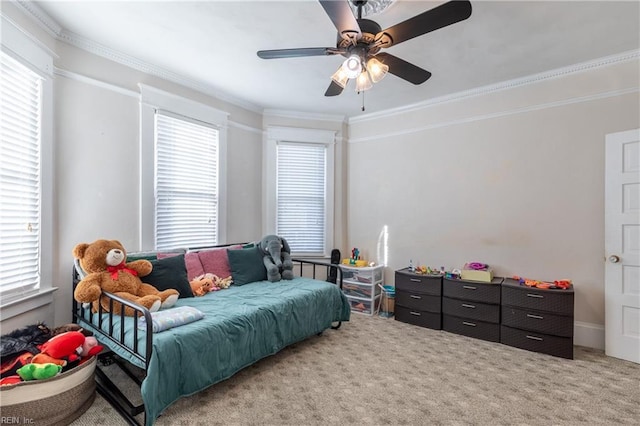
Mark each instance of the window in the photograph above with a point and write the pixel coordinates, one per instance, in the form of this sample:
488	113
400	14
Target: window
301	196
25	173
299	176
186	213
183	175
20	113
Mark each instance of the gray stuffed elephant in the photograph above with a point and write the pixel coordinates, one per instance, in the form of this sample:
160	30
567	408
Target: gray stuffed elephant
277	258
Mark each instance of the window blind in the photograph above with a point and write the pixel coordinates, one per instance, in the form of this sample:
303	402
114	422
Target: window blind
301	196
186	171
20	189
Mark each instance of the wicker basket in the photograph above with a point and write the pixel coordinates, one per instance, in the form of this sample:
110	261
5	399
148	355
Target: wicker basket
56	401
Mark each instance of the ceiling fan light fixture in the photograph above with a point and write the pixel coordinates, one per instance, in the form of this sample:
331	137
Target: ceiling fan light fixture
352	66
340	77
363	82
377	70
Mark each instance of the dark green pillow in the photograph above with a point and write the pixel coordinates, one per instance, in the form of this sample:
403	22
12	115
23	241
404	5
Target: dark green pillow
169	272
141	256
246	266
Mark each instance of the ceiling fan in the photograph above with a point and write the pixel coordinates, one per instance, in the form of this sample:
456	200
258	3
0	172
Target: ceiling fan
360	41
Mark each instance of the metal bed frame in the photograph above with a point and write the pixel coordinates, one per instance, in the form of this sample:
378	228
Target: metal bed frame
105	331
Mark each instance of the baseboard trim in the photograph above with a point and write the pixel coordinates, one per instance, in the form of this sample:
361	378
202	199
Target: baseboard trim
588	334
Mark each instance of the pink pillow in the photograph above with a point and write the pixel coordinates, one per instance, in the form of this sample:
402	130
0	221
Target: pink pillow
193	265
216	261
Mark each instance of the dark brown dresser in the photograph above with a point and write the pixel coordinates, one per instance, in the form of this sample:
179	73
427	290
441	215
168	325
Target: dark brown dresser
472	308
418	299
536	319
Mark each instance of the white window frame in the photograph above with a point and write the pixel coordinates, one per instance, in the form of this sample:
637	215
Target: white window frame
27	50
151	100
275	134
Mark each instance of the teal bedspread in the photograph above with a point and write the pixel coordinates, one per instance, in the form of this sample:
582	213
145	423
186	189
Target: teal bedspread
241	326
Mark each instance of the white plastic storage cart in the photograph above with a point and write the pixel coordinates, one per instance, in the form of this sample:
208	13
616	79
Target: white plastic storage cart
360	285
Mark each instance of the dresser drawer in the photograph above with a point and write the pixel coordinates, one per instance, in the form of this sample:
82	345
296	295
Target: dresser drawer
472	328
556	301
419	301
426	284
473	290
537	342
538	321
417	317
472	310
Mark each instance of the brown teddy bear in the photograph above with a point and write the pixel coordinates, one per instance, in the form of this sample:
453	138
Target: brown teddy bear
104	261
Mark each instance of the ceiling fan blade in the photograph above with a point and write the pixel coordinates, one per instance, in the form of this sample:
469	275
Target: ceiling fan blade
342	17
431	20
295	53
334	89
403	69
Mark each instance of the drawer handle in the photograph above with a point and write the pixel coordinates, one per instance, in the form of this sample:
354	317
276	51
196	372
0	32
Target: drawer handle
415	280
537	296
466	305
415	313
413	296
535	338
469	324
469	287
535	316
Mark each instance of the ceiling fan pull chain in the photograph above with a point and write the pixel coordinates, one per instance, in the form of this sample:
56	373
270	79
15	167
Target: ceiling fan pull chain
363	100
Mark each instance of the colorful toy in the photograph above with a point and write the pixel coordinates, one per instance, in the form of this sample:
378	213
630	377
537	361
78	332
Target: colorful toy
10	380
105	263
276	258
202	284
67	346
90	347
38	371
558	284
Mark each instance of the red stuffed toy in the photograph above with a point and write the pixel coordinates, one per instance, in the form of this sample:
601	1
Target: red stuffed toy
66	346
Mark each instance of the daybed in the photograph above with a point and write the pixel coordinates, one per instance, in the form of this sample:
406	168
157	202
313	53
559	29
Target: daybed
241	325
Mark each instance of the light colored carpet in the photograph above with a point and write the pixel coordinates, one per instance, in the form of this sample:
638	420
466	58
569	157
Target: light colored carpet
380	371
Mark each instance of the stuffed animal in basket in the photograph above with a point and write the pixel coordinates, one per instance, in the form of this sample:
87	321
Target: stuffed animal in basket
107	270
277	258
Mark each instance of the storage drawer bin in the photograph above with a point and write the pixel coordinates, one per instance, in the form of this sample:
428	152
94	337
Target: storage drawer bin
420	318
473	290
557	301
537	342
364	275
542	322
426	284
472	328
360	290
471	310
57	401
363	306
419	301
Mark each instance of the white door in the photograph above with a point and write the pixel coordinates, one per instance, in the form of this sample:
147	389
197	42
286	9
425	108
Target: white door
622	245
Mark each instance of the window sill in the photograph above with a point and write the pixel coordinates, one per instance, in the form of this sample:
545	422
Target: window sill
27	303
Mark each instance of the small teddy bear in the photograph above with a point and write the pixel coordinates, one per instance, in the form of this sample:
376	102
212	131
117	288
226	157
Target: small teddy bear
107	270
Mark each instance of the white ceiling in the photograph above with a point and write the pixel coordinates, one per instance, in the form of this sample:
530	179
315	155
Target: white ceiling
214	44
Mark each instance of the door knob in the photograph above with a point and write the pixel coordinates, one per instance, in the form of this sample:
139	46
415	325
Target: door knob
614	259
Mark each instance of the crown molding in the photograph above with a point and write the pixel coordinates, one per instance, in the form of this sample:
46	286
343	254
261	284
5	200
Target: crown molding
505	85
481	117
43	20
304	115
